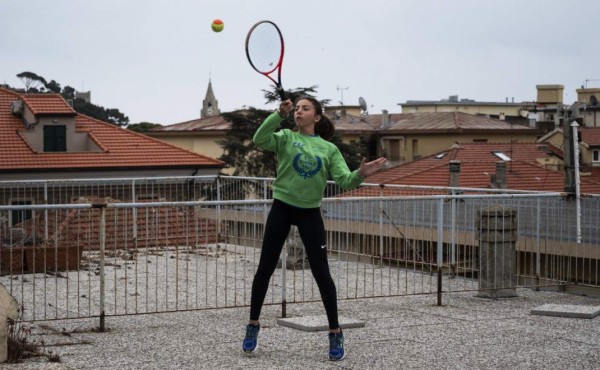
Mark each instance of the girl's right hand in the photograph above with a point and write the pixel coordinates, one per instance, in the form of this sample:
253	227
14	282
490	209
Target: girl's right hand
285	107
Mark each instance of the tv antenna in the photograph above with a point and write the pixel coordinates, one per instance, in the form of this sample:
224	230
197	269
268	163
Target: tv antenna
590	79
342	90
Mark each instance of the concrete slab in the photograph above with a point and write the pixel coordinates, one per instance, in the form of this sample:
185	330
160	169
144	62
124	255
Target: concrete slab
318	323
564	310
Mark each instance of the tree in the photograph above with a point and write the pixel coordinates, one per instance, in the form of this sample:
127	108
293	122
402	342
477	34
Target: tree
238	149
68	93
110	115
273	96
36	84
53	86
32	82
143	126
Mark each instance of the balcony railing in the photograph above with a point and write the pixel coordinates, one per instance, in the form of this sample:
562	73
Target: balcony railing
104	247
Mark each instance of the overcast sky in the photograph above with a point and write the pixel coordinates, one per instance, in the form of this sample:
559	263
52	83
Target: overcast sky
152	59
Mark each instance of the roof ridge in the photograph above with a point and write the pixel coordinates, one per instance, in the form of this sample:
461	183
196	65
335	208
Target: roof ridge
441	164
112	126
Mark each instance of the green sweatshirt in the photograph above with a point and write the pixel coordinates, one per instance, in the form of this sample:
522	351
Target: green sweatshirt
304	164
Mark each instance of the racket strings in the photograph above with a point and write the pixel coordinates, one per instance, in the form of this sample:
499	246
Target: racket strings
265	47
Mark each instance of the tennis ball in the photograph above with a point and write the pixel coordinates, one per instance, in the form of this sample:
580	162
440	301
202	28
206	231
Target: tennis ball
217	25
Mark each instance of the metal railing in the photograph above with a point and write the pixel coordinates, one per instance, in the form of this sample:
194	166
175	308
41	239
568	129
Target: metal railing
191	244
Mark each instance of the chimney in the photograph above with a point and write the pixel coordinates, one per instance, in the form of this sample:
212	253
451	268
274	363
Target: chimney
499	179
385	119
454	173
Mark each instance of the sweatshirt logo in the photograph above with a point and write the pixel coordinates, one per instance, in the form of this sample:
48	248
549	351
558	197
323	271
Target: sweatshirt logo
306	166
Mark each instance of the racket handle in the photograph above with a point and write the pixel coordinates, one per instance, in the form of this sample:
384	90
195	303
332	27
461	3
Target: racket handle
281	93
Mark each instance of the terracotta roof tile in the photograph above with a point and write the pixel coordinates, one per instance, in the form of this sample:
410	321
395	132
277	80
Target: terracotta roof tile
41	104
214	123
442	122
590	135
478	163
121	148
350	124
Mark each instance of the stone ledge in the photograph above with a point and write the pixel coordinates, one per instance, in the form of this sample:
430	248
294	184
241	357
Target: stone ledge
565	310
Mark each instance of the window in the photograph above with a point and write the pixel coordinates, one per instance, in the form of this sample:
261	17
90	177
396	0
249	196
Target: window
480	140
55	138
596	155
415	149
18	216
394	153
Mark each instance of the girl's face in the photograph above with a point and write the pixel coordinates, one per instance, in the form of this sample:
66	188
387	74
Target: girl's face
306	117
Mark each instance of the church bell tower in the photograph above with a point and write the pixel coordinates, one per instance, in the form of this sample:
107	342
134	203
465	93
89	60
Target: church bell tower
210	105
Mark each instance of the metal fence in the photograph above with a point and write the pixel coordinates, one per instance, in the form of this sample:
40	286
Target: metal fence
96	248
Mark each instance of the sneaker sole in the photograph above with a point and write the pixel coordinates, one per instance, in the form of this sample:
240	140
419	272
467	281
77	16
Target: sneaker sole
253	352
339	359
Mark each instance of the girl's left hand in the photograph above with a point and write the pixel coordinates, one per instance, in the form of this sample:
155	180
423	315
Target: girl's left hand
369	168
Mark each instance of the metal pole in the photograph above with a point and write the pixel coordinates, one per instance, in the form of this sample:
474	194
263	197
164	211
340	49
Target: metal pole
102	242
537	243
453	262
381	233
283	270
574	136
440	249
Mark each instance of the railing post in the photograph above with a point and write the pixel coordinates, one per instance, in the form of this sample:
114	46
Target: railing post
219	196
102	242
453	259
283	270
538	256
440	249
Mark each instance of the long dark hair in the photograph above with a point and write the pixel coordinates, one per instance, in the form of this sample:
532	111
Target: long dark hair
324	128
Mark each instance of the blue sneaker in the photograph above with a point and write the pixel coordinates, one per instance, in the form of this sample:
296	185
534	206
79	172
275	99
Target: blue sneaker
250	344
336	346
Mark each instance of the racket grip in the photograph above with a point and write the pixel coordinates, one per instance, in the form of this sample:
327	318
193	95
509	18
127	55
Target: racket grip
281	93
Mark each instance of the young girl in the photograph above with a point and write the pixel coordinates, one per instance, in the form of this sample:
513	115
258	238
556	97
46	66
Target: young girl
305	161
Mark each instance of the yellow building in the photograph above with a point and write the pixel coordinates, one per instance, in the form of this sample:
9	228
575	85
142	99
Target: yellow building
406	137
502	111
200	135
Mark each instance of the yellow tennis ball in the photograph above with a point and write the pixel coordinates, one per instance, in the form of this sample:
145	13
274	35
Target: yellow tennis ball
217	25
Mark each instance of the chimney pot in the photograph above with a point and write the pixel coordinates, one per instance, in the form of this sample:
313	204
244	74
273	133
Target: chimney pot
500	177
454	173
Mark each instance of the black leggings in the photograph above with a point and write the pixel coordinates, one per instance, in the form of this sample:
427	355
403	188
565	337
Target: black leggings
312	232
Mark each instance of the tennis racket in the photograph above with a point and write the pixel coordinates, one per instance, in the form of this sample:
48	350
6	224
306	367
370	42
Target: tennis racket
264	49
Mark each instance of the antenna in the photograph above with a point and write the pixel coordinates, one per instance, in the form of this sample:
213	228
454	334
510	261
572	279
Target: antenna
342	90
363	105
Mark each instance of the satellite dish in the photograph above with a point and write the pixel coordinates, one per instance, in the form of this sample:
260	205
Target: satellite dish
593	101
362	103
524	113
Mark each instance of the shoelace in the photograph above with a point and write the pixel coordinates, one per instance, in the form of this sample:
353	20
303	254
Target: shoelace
252	331
336	339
